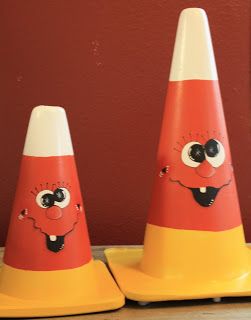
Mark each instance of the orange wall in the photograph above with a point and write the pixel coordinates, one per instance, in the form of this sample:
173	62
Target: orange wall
107	62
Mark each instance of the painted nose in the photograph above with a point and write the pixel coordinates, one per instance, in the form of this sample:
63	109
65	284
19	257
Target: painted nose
54	213
205	170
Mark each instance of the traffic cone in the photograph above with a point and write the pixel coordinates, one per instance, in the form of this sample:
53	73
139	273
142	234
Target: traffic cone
48	268
194	243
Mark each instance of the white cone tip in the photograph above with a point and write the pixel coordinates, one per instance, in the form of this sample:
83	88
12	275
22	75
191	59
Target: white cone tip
193	56
48	133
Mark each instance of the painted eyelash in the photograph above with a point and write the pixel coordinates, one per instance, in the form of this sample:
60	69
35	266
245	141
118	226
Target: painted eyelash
195	136
185	140
181	145
51	187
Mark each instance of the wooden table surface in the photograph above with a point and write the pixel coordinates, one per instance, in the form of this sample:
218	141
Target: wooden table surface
229	308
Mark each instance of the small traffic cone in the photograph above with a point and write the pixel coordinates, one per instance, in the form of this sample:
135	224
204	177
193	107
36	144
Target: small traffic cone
48	267
194	244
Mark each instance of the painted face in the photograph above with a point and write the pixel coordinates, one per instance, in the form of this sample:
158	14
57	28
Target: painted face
53	213
195	187
201	168
47	222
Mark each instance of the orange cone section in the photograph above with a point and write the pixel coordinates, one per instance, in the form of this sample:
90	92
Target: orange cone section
194	244
48	216
48	267
194	162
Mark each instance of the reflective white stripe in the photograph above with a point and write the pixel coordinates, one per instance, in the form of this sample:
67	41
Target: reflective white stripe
48	133
193	56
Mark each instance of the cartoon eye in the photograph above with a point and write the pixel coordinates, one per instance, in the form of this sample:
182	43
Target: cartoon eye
193	154
45	199
59	195
62	197
215	152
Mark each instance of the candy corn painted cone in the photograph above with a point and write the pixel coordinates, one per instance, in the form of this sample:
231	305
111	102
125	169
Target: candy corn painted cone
48	268
194	244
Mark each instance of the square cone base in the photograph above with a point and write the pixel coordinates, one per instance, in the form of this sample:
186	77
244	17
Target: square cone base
137	285
94	291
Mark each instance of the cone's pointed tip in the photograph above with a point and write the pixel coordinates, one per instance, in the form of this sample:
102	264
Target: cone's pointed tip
44	108
193	56
48	133
194	12
196	17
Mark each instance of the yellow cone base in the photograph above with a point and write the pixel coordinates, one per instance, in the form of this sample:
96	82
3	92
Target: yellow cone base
199	265
87	289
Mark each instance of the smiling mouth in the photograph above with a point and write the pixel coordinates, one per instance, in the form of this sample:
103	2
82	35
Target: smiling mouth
204	196
54	243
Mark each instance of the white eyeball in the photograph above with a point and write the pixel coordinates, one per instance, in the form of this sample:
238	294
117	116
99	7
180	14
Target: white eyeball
62	197
44	198
215	152
47	198
192	154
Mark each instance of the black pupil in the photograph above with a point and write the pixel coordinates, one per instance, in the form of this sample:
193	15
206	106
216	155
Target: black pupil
212	148
59	195
48	199
196	153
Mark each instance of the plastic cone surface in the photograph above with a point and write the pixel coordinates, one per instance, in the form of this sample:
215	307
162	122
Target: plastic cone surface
48	267
194	244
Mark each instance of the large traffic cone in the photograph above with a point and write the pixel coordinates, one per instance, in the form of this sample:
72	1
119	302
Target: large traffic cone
194	244
48	267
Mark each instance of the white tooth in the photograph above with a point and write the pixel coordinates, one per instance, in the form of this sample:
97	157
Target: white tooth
53	238
203	189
